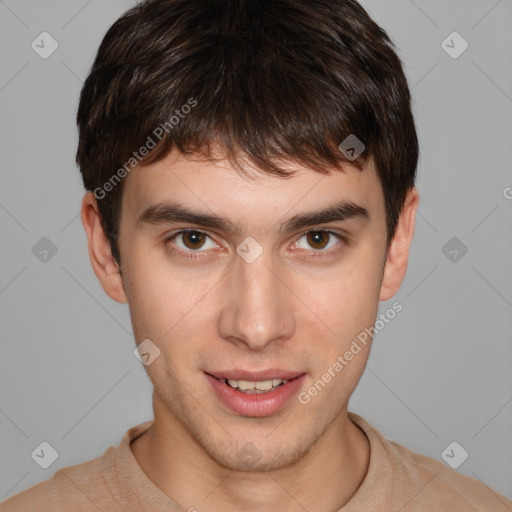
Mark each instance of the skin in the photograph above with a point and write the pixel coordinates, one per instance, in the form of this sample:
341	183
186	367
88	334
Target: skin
284	310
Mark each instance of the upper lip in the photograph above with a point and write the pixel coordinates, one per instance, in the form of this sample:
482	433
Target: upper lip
255	376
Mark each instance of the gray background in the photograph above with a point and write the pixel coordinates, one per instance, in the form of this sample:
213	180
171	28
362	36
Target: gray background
439	372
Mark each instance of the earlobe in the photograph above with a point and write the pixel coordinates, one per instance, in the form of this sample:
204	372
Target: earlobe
398	252
103	263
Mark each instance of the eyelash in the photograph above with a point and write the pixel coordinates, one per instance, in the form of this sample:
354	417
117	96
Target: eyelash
197	254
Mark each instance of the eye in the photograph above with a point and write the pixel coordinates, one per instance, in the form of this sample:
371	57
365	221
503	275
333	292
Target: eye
320	239
191	241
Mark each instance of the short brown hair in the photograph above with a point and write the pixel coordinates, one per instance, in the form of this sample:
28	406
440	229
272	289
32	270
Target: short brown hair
269	81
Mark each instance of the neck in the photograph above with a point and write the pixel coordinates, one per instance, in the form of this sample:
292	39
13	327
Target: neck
324	479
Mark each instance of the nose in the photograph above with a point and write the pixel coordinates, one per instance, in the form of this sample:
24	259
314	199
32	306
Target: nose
259	307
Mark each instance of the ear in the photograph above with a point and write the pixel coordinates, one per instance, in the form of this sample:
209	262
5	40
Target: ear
104	265
398	251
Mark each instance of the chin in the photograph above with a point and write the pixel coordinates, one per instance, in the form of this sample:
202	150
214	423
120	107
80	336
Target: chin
261	454
251	459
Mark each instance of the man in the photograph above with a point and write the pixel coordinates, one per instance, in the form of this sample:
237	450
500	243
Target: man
250	169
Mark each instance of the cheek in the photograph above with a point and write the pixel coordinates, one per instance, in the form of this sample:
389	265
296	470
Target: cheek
160	292
168	306
348	305
346	299
170	301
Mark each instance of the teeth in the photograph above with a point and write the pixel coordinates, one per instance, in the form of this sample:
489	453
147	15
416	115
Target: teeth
254	387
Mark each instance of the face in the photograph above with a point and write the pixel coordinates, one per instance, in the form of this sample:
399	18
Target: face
262	297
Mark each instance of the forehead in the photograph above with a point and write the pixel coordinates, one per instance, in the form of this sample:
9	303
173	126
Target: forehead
260	198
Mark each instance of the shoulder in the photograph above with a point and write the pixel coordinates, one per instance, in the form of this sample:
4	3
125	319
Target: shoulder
81	488
441	486
103	483
400	479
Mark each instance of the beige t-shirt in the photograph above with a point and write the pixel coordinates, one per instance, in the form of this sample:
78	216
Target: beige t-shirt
397	480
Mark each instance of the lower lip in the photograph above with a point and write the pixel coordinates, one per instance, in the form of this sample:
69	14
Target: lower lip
256	405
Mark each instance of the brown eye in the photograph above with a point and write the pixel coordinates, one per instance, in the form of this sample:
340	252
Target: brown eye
193	239
318	239
190	241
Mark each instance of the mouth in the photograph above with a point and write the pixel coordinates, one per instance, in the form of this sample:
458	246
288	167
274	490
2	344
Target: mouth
255	394
258	387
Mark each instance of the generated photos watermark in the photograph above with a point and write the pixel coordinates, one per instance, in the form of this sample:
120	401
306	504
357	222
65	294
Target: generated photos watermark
151	143
343	360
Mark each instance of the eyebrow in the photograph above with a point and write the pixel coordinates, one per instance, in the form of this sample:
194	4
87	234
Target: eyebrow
172	213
